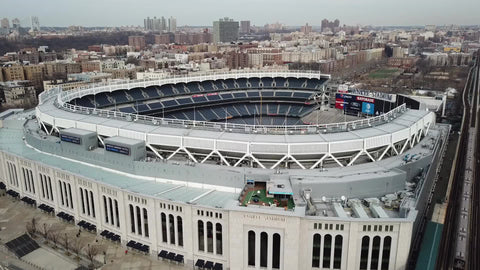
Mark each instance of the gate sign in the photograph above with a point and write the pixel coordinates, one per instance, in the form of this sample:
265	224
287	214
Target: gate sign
368	108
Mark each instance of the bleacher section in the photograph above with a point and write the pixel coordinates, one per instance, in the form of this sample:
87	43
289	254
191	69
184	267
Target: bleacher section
277	101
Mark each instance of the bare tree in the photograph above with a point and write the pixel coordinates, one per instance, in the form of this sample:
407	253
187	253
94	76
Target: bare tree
31	227
53	235
65	239
45	230
91	251
76	246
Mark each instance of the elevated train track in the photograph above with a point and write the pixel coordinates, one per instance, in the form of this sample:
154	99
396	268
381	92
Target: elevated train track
460	241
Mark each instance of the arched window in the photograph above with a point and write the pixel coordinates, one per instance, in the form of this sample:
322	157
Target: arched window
327	249
110	206
139	220
164	227
375	252
70	194
116	213
263	249
92	200
171	221
364	253
132	218
201	235
276	251
105	208
251	248
180	231
145	222
387	243
209	237
317	239
337	252
219	238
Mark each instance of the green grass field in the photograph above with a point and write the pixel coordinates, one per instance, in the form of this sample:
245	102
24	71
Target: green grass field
263	198
382	73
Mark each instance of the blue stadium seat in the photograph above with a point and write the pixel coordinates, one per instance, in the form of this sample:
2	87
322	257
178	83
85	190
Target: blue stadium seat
199	99
230	83
267	82
207	86
283	93
240	95
242	83
119	96
226	96
169	103
152	92
272	109
312	84
253	93
254	82
193	87
102	100
301	95
283	109
213	97
128	110
267	93
279	82
136	93
208	113
294	83
141	108
155	105
166	90
241	109
183	101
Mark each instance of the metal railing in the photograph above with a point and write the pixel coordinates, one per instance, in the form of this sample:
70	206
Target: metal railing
63	97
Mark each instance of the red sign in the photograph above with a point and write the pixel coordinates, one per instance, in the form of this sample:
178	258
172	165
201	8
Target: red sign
197	96
366	99
339	103
212	94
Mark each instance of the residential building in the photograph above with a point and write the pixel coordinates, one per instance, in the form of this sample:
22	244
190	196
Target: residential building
19	93
13	72
245	27
225	30
137	42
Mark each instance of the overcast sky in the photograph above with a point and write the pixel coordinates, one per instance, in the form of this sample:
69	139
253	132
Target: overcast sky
259	12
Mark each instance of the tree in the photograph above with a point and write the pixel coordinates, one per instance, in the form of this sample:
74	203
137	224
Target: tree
76	245
31	227
91	251
45	230
54	236
66	241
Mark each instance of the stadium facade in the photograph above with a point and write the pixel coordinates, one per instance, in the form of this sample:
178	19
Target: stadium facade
220	171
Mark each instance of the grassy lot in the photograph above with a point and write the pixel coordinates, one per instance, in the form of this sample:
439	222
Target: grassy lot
382	73
263	199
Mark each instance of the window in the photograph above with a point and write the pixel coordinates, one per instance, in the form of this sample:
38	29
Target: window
209	237
364	253
171	221
180	231
85	192
116	213
375	252
276	251
110	206
61	192
201	233
387	242
164	227
263	249
145	222
81	197
314	226
327	249
316	250
70	195
251	248
218	228
337	252
105	208
93	203
132	218
139	220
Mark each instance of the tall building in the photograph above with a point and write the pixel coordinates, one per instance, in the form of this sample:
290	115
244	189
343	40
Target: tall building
245	27
137	42
16	23
225	30
4	23
155	24
326	24
35	27
172	25
306	29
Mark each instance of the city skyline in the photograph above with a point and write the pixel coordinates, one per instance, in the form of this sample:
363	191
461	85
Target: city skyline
292	13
